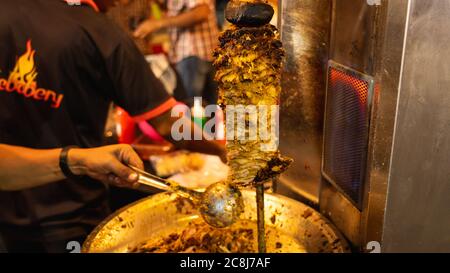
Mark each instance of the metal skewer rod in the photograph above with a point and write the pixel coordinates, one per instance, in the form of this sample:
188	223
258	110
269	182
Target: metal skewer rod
260	217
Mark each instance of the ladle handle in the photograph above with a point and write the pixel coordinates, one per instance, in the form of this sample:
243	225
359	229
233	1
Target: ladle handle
151	180
154	181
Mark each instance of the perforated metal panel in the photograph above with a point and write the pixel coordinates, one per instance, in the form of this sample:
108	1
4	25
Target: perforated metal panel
347	115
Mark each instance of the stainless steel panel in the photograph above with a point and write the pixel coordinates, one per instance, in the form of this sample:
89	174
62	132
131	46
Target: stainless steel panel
352	36
353	43
418	207
341	212
304	29
372	44
391	25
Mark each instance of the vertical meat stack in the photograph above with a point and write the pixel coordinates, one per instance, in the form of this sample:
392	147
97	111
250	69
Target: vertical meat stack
248	63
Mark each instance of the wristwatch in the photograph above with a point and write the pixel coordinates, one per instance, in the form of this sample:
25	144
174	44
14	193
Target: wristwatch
63	163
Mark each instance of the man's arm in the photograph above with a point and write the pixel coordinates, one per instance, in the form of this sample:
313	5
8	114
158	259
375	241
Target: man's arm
191	17
23	168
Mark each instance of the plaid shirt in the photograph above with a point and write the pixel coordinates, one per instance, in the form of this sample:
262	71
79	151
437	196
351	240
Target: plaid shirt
198	40
130	16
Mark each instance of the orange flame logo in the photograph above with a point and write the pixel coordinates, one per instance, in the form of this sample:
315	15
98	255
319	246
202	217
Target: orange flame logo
25	71
22	80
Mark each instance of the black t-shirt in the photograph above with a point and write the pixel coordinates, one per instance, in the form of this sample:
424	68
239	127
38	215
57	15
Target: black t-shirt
60	68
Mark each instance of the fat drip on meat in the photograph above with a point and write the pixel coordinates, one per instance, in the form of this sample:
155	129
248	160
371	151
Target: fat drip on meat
248	70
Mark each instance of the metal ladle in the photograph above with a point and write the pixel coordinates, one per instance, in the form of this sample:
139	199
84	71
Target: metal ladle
220	204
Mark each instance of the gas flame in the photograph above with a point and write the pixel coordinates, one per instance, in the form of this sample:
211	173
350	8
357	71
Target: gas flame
25	70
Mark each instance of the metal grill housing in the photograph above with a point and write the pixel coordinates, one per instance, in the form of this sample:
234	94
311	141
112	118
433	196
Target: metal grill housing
346	130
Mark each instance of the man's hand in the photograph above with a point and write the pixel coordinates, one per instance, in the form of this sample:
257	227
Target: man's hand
107	164
147	27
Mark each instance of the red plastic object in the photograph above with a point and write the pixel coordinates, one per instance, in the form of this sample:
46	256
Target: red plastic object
125	127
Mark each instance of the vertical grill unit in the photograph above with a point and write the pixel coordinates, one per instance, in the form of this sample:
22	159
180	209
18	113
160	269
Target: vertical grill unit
346	130
370	139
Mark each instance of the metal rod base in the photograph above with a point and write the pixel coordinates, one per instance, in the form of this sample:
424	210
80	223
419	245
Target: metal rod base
260	218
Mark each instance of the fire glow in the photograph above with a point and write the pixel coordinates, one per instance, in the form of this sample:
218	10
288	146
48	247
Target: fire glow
359	87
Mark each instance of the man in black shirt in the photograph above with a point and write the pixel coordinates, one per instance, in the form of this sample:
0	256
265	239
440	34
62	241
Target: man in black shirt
61	66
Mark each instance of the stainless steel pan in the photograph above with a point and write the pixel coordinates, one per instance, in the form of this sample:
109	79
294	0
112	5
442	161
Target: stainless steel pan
164	213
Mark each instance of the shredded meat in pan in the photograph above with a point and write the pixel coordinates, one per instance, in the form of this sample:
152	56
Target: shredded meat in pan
201	238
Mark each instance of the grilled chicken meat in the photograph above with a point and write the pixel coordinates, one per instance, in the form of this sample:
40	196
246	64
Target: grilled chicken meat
248	70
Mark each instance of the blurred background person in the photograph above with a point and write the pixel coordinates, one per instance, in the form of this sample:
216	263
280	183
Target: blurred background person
192	25
128	14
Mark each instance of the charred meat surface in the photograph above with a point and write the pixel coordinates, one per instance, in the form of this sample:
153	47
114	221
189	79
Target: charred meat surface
248	13
248	70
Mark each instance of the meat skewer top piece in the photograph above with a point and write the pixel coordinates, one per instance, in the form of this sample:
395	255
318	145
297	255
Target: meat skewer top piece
248	13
